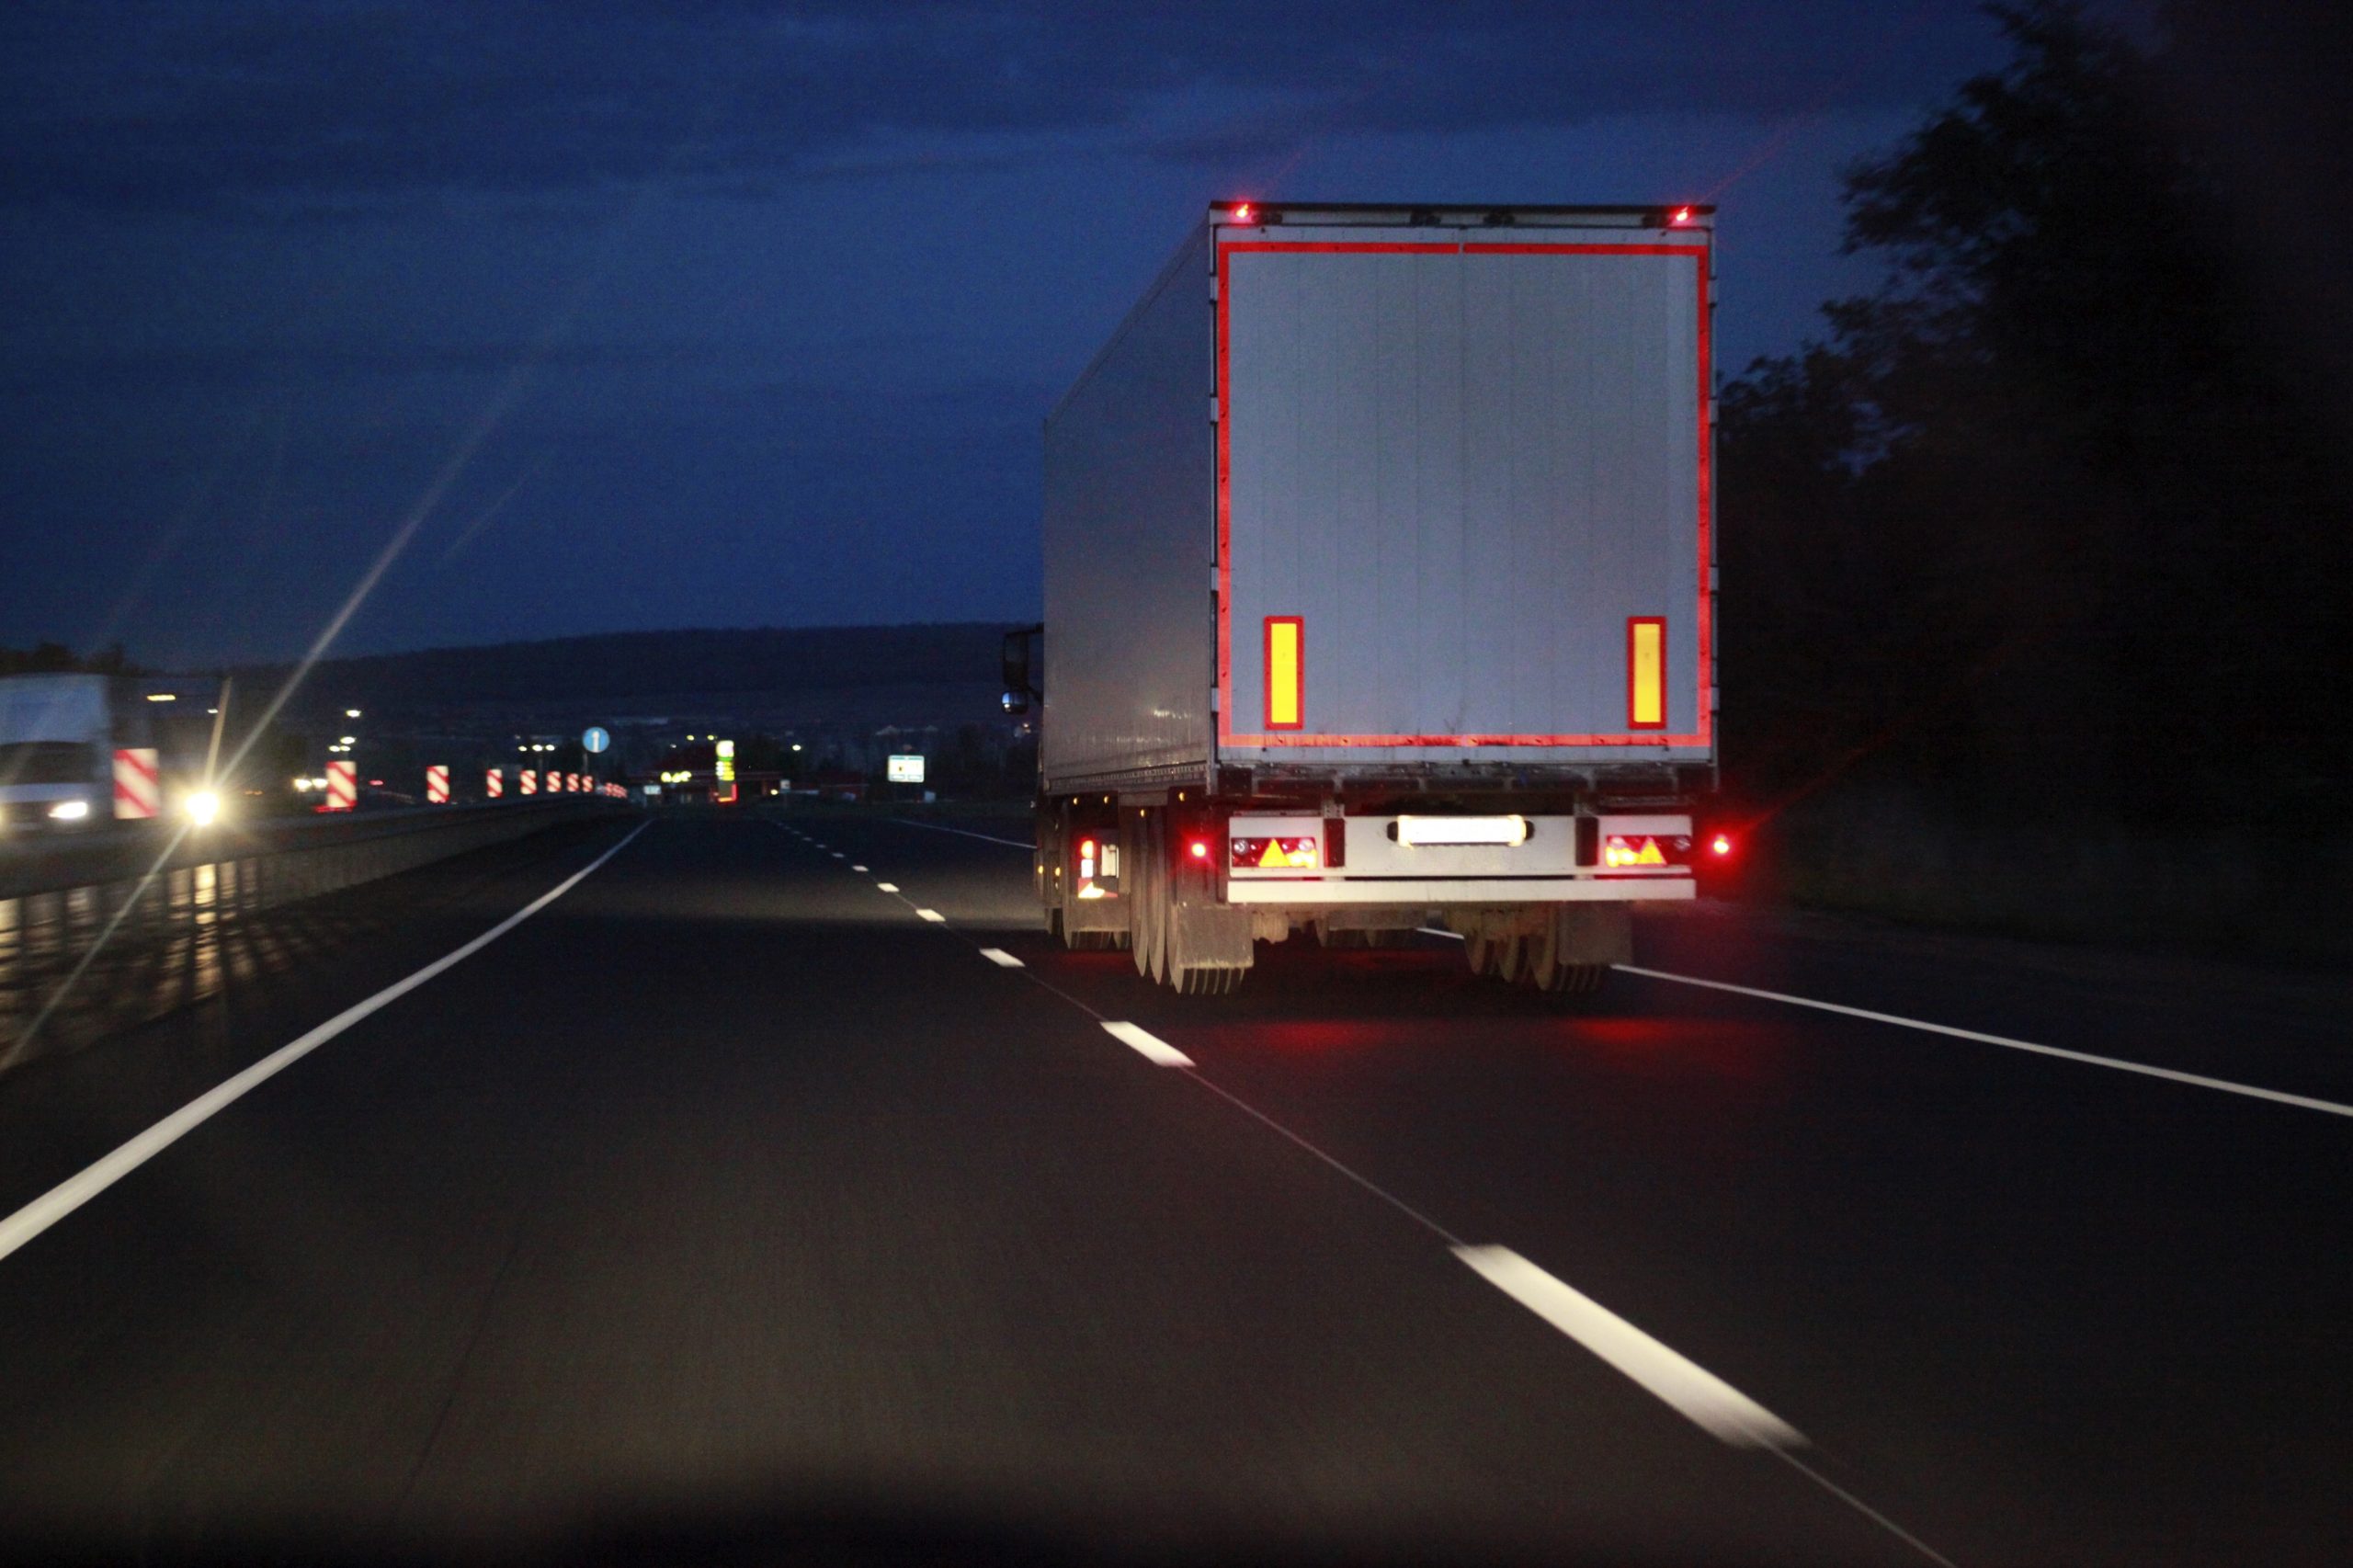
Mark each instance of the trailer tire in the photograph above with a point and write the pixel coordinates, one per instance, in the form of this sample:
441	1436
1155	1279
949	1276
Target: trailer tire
1147	917
1572	953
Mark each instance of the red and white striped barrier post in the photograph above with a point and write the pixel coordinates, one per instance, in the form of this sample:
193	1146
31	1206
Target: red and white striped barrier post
342	786
493	783
138	783
437	784
530	781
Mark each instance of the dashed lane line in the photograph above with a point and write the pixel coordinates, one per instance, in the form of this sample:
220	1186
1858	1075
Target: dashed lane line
933	915
1706	1400
1147	1044
888	887
1682	1385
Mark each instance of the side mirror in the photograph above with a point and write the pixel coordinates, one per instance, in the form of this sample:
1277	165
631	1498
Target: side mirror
1018	686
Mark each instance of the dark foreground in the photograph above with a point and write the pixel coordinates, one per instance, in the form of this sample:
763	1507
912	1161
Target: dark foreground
729	1211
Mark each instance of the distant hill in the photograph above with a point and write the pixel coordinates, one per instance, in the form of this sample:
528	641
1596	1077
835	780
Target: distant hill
938	673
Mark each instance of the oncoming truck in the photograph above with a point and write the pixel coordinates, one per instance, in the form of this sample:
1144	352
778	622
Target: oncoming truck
1380	590
78	751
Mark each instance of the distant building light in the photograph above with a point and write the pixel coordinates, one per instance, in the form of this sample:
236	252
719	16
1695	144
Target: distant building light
162	697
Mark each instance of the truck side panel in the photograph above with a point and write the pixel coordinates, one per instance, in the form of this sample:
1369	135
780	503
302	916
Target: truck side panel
1130	476
1467	468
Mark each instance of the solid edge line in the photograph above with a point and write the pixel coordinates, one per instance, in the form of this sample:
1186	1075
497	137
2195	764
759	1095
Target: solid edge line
1690	1390
1873	1514
2279	1096
1149	1046
67	1195
1002	958
963	832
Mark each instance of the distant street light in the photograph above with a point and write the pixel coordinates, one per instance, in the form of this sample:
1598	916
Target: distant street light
351	712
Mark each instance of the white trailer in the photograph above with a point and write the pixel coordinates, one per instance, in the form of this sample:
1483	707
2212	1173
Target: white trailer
1380	588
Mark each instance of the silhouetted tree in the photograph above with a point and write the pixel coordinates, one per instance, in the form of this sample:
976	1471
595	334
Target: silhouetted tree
2039	522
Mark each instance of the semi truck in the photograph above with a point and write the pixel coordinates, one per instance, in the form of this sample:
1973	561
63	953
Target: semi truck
1380	592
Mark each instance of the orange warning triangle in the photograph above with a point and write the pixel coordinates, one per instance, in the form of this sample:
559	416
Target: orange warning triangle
1650	854
1274	854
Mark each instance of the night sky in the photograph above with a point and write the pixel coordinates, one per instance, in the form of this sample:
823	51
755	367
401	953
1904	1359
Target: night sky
659	315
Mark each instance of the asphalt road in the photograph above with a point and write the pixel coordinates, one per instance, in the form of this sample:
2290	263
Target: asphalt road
725	1204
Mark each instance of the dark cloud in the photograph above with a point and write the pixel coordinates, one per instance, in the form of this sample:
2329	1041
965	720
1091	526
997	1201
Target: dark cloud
248	366
210	104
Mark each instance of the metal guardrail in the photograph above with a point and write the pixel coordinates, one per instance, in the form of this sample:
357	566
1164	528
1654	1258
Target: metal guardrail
177	919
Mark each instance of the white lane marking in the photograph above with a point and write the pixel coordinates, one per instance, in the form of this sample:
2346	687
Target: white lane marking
1002	958
76	1190
1150	1046
2302	1102
933	915
857	868
888	887
965	833
1714	1405
1433	931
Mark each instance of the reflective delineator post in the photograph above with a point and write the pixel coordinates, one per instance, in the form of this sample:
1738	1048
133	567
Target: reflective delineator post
138	783
493	783
530	781
342	786
437	784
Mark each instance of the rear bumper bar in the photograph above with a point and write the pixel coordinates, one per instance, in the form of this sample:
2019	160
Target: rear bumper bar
1414	892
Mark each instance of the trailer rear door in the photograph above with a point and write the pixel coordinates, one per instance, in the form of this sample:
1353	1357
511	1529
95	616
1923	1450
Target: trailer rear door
1463	501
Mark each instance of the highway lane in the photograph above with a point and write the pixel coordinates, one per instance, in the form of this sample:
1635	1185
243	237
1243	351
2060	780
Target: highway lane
728	1192
2049	1312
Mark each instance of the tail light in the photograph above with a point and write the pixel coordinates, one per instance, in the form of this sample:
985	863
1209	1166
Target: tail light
1275	854
1622	851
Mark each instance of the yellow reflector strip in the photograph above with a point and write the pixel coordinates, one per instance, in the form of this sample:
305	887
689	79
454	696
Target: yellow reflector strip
1283	656
1646	672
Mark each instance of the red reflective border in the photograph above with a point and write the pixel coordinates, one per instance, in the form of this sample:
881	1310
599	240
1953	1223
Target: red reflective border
1703	621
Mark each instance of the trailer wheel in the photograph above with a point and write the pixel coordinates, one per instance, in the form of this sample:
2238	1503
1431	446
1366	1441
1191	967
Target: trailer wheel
1506	956
1147	887
1570	954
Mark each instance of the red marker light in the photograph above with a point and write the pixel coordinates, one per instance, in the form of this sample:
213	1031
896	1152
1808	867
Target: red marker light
1244	213
1679	217
1197	848
1720	844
